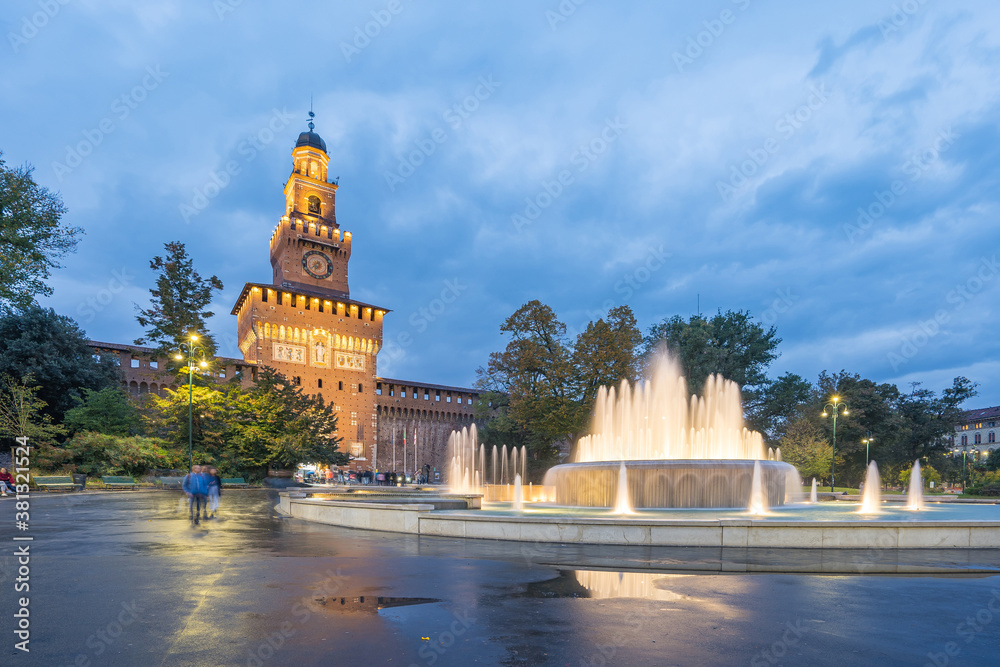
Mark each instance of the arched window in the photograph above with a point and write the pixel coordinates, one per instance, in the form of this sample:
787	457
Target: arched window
314	204
965	440
979	438
992	437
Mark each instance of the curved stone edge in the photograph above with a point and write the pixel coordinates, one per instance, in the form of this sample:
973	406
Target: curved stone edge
422	519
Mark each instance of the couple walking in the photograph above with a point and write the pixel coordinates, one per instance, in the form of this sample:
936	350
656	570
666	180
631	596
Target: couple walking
203	487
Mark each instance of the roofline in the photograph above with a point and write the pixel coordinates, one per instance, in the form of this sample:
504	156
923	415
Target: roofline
152	351
427	385
304	292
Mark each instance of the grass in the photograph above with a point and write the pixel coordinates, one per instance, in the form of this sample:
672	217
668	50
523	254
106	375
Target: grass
826	489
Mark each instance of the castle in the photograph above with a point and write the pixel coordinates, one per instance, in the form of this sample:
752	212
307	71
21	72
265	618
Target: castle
305	325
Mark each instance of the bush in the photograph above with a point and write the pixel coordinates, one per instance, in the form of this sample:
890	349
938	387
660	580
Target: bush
99	454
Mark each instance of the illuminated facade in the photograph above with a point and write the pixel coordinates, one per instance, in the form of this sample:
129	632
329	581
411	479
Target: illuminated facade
305	324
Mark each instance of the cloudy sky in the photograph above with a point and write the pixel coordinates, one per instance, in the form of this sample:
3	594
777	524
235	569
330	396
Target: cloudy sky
831	167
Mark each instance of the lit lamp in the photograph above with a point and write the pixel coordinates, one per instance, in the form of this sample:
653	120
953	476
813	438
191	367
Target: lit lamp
868	444
834	408
190	347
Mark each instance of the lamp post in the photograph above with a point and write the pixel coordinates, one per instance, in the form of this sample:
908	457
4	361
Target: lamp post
835	408
190	347
868	444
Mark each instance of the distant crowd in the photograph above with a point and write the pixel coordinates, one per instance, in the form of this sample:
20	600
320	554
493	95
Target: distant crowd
366	477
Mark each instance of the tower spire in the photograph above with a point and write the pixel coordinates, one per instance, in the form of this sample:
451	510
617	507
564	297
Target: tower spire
311	114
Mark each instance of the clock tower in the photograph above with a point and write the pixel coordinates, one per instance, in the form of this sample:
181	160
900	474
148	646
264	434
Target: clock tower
305	324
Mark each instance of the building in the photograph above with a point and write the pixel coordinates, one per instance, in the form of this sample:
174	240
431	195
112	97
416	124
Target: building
145	372
977	431
305	325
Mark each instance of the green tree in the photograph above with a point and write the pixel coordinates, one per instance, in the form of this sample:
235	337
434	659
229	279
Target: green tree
53	350
769	409
927	475
178	302
535	370
22	412
109	411
804	446
730	344
606	353
276	425
32	237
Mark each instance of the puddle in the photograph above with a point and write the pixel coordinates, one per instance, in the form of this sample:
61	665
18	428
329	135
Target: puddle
605	585
365	604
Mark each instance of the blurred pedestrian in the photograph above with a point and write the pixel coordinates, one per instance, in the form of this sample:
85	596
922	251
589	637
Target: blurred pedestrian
195	485
214	491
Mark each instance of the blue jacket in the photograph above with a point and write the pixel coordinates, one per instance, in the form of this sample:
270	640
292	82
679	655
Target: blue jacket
196	484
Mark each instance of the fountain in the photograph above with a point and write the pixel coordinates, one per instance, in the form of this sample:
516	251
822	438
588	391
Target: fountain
622	504
915	494
677	450
871	499
518	494
758	504
812	494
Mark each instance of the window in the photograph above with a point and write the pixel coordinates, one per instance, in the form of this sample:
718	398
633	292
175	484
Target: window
459	400
437	396
297	380
340	385
979	438
965	440
447	399
354	419
263	296
96	357
320	383
134	363
378	389
427	396
279	298
154	364
402	393
992	437
314	204
360	388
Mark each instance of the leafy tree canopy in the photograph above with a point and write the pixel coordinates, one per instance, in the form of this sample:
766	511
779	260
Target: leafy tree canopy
53	350
32	237
178	303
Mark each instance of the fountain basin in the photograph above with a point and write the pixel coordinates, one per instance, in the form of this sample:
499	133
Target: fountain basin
675	483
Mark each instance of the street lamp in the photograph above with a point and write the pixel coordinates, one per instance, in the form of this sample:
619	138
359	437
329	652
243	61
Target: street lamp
834	406
868	444
190	347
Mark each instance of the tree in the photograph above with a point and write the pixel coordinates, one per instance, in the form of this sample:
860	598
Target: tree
32	237
276	425
178	303
804	446
53	350
768	410
22	412
731	344
536	371
927	475
606	353
109	411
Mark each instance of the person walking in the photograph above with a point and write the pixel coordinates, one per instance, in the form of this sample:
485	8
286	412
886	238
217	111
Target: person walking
214	492
195	485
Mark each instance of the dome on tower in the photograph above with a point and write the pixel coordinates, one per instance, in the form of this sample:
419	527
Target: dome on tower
310	138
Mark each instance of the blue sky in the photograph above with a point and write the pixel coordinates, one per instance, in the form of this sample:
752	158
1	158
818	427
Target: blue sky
833	168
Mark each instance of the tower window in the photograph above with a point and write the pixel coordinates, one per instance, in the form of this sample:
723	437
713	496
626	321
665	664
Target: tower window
320	385
263	296
340	385
314	204
360	388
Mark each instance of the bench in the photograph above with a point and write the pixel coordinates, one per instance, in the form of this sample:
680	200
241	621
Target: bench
235	481
55	483
171	482
115	482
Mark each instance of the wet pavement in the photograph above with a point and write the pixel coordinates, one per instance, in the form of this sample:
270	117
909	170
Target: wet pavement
126	579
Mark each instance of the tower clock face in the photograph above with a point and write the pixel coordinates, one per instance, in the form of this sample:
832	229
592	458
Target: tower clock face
317	265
